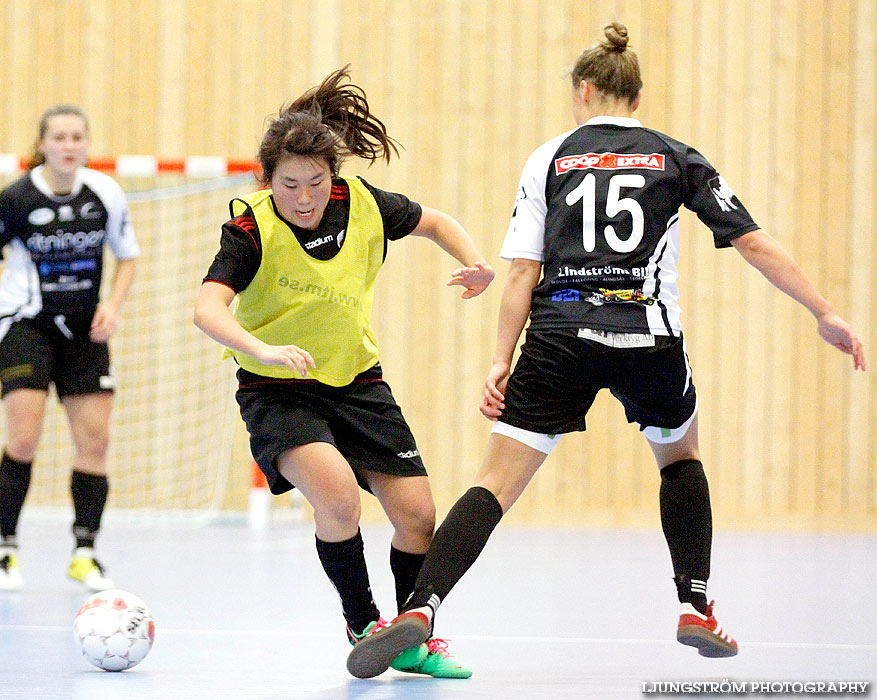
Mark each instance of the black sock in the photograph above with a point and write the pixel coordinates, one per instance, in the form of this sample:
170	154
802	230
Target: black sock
14	483
89	498
456	546
344	564
405	567
686	519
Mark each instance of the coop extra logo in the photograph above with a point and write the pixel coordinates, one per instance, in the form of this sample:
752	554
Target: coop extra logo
609	161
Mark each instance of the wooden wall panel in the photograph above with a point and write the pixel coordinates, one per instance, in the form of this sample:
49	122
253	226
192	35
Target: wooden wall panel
757	109
860	446
805	247
170	136
835	133
778	94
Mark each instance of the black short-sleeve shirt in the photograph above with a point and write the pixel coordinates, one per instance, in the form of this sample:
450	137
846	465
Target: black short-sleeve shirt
599	207
240	252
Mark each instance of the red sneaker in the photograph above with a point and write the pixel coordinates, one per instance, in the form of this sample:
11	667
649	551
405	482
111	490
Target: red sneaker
704	632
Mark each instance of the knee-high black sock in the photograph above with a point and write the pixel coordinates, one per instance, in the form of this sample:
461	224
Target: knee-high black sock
344	564
686	518
89	498
405	567
456	546
14	483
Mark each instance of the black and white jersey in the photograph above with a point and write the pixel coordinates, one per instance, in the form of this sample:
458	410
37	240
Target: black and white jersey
599	207
54	243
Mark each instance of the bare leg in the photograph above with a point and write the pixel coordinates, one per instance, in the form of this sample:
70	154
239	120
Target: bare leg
326	480
89	418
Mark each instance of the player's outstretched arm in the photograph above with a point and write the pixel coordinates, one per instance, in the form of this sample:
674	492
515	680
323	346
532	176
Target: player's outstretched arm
454	240
213	316
766	254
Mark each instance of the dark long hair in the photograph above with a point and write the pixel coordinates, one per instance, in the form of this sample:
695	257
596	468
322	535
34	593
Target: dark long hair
330	121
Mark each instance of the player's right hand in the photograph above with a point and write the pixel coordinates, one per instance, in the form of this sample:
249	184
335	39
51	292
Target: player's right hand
492	396
290	356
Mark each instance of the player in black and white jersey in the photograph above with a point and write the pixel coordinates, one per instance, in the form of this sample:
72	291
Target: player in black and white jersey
593	243
54	224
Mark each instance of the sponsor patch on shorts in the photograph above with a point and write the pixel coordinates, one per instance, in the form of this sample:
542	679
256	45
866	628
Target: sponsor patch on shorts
107	382
618	340
17	372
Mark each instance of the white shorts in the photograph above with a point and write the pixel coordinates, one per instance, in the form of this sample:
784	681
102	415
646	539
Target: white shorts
538	441
546	443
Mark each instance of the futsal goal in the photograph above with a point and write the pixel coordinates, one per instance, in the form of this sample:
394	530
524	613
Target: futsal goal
175	421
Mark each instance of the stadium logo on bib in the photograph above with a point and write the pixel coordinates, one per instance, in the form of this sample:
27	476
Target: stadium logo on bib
609	161
317	242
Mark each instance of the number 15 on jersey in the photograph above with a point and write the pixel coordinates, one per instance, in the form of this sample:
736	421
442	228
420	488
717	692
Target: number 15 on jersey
615	204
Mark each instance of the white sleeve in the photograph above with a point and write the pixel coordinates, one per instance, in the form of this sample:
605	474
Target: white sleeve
120	232
526	233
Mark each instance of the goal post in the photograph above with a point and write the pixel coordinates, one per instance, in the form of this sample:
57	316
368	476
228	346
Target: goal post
174	417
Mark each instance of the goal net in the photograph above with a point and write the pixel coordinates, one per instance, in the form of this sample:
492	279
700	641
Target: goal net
174	417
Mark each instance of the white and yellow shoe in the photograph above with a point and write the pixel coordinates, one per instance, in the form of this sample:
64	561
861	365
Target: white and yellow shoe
10	575
88	570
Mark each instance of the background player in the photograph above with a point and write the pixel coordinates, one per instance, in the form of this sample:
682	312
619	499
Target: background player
54	328
597	212
301	259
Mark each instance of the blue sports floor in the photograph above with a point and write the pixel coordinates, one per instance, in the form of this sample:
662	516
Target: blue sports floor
545	613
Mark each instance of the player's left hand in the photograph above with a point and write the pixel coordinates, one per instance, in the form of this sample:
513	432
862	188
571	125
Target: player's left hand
103	325
475	279
837	332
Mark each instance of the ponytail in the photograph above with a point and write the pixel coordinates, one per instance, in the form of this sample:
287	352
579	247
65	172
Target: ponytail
330	121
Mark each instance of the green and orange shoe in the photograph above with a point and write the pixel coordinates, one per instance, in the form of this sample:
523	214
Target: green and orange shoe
438	662
409	658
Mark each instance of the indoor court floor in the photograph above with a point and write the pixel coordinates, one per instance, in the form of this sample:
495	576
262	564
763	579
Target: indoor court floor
544	613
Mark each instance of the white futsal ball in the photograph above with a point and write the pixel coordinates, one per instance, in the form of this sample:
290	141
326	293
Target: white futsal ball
114	630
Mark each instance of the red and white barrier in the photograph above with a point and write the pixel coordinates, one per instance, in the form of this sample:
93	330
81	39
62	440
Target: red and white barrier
148	166
261	501
259	513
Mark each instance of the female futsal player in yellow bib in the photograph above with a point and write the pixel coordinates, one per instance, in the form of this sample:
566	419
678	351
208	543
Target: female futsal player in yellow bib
301	259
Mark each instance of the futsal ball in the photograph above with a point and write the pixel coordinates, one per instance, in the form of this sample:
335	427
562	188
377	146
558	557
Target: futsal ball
114	630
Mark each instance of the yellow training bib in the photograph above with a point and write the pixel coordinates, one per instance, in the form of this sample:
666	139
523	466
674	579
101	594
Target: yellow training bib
322	306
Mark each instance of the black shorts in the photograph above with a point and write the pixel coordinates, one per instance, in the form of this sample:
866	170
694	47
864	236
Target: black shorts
558	375
37	352
362	420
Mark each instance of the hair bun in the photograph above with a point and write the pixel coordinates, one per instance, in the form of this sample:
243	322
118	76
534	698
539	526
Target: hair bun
616	33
